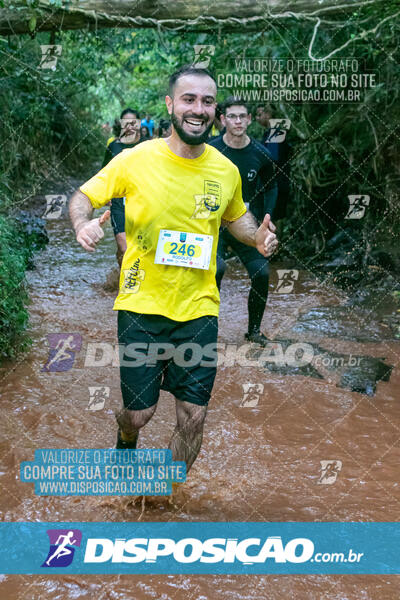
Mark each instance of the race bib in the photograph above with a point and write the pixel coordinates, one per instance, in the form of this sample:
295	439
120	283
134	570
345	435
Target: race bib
182	249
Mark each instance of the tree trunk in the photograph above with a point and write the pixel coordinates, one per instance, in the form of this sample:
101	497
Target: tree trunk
201	15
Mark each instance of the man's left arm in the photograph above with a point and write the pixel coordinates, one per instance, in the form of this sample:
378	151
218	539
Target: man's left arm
246	230
269	189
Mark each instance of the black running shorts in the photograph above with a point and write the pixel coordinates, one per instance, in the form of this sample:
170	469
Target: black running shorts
159	353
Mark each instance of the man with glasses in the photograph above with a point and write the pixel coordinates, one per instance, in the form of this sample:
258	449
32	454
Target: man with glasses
259	188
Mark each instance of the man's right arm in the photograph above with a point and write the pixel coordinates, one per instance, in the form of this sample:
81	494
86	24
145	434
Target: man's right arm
88	231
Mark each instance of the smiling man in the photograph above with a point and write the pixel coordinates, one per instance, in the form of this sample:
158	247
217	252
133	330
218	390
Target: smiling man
178	190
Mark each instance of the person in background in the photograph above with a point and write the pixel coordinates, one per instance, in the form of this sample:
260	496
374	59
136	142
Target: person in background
257	172
149	123
127	137
280	152
164	129
144	134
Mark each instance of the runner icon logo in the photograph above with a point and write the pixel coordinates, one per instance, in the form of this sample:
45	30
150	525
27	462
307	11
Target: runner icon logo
202	55
97	397
329	471
286	279
61	551
251	394
278	130
50	54
55	205
63	347
357	206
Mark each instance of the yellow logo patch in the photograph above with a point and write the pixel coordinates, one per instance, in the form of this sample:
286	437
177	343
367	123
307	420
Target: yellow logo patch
209	201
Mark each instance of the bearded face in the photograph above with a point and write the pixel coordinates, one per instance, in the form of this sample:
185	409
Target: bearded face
192	108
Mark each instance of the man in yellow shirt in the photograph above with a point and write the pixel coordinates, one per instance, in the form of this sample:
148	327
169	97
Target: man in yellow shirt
178	190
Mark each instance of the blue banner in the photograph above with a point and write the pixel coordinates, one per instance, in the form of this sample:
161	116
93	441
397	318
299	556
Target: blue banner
210	548
102	472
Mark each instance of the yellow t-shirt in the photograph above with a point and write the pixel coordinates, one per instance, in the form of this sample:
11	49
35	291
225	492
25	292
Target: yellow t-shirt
165	191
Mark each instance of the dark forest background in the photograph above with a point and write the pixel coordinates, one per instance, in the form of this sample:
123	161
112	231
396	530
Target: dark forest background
51	127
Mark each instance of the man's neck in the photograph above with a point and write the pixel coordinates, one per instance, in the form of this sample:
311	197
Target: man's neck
236	141
179	147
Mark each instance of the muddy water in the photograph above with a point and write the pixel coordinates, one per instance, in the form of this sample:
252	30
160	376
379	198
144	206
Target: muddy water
257	463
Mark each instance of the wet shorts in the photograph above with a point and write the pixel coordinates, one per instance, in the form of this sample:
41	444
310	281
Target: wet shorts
159	353
118	215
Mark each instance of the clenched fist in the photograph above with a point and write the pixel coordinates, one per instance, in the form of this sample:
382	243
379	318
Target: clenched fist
89	234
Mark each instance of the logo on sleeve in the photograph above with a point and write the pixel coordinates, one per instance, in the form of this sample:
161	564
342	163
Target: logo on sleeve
209	201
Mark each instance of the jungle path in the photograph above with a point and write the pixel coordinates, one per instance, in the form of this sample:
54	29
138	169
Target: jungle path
261	454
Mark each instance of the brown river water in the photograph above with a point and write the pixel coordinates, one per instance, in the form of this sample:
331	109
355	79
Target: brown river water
259	462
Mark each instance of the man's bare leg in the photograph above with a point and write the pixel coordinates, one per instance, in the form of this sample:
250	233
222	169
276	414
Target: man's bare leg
188	434
131	421
120	238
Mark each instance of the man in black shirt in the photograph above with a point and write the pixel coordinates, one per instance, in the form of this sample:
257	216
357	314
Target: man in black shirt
128	138
259	189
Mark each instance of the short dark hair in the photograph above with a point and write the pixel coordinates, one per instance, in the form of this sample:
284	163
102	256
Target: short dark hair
129	110
187	70
232	101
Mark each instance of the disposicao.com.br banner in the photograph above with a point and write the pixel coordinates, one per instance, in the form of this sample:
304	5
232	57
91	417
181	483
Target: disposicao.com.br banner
207	548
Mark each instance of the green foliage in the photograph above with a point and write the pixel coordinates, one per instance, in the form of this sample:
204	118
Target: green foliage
338	149
51	123
13	293
20	237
